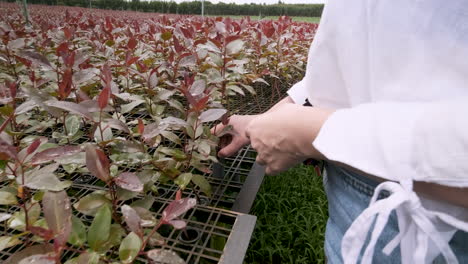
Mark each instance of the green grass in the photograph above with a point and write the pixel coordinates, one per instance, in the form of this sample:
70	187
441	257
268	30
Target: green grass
292	214
300	19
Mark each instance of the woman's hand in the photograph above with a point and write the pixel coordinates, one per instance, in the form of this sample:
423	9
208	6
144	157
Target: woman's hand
238	138
283	137
239	123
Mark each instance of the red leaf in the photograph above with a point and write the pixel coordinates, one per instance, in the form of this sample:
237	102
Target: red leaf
178	224
26	62
178	48
132	60
62	49
141	126
69	59
36	58
13	86
34	146
129	181
97	163
132	43
65	84
7	151
54	153
132	219
57	213
177	208
67	32
106	74
178	195
201	104
71	107
4	124
46	234
187	31
231	38
104	97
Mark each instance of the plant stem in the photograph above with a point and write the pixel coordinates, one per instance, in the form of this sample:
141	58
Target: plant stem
149	236
65	127
100	125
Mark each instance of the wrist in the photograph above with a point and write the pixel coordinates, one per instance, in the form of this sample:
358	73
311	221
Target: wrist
313	124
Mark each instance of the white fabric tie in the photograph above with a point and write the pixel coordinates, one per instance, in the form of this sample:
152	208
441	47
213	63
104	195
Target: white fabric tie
414	221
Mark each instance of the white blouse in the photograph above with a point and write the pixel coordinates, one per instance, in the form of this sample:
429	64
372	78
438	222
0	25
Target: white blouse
397	71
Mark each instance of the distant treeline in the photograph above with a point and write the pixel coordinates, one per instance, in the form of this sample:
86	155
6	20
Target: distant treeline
307	10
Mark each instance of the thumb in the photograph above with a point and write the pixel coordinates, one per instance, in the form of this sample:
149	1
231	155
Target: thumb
231	149
216	129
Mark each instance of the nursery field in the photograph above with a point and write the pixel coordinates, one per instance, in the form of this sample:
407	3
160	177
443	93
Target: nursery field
298	19
106	152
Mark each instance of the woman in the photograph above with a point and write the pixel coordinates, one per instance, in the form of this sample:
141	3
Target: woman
389	82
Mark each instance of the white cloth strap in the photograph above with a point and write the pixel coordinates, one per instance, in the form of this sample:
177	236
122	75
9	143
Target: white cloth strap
414	221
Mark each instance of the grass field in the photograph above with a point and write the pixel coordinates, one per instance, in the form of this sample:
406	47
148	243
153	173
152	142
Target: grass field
292	214
302	19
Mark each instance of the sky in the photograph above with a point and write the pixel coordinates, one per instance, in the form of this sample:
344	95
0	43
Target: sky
267	1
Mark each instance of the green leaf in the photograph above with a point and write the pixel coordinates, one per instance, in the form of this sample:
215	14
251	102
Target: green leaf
18	220
71	107
129	107
236	89
234	46
212	115
202	183
32	250
38	259
7	198
78	232
72	123
4	216
88	258
57	212
155	240
183	180
164	256
124	195
249	88
171	136
6	242
177	154
146	202
147	218
166	35
129	248
91	203
72	261
99	230
43	179
188	61
115	238
106	133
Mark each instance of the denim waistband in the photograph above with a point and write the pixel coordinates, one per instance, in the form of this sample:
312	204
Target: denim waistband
360	182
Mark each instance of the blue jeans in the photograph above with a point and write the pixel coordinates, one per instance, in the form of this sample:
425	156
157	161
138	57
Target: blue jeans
348	195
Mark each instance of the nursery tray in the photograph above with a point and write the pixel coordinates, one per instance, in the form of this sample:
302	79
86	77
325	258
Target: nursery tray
215	235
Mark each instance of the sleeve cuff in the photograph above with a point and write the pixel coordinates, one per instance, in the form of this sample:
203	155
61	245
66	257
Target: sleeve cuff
298	93
371	138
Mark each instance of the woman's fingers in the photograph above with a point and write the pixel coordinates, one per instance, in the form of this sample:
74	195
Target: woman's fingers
217	129
232	148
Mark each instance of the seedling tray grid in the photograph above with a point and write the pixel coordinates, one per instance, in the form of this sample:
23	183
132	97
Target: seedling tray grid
209	229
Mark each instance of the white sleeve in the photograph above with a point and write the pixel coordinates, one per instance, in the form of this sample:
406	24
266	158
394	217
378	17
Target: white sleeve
394	140
298	92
